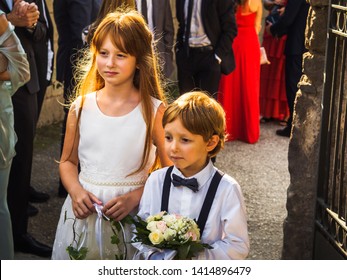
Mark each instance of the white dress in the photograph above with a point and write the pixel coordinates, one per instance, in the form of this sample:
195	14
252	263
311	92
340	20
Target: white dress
110	148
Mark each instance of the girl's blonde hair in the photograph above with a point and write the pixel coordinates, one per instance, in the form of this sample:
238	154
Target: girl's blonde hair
130	34
199	114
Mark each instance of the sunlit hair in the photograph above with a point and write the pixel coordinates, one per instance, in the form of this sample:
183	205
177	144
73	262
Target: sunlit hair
130	34
199	114
108	6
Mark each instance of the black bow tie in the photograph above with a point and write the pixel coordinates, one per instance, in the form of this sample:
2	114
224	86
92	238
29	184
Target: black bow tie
191	183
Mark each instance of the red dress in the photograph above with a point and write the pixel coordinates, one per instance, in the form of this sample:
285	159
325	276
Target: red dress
273	100
239	91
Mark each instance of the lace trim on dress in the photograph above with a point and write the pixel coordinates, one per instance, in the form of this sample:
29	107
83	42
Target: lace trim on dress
119	184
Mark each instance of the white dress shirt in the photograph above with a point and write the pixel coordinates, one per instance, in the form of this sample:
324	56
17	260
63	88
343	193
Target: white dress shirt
9	4
198	37
226	226
149	12
49	49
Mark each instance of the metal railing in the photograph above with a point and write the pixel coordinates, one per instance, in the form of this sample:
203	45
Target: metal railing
331	212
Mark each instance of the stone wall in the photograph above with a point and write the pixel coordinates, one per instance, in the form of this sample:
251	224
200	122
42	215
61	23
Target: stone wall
304	145
52	109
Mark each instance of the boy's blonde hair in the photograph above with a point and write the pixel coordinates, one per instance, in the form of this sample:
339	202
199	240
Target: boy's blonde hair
200	114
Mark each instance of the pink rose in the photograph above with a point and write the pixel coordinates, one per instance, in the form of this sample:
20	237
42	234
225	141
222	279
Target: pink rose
161	225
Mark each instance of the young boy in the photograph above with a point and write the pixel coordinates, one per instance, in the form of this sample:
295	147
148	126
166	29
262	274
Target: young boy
194	128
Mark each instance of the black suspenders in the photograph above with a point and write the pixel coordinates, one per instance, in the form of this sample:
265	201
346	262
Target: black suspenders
206	207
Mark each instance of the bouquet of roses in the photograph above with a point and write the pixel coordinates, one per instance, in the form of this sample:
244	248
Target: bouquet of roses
170	231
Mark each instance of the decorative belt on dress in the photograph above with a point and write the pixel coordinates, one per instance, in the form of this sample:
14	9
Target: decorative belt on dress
116	184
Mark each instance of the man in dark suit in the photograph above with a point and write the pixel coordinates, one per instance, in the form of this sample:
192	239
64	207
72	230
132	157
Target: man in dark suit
44	53
293	23
204	49
29	29
158	15
70	16
44	62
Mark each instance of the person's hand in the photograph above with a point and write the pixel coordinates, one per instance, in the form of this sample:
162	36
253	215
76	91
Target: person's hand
118	207
267	27
23	14
281	10
82	203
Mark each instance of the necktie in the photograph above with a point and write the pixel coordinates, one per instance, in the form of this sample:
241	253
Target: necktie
188	21
191	183
144	9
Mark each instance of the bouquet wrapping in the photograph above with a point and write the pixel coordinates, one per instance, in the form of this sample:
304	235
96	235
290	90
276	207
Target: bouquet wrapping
172	235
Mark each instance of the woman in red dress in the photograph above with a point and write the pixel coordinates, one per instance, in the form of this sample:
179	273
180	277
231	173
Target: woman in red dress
273	100
239	91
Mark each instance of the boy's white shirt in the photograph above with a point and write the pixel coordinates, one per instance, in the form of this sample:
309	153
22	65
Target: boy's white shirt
226	226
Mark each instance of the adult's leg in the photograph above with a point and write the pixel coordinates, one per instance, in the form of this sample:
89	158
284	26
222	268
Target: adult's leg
25	115
185	74
207	72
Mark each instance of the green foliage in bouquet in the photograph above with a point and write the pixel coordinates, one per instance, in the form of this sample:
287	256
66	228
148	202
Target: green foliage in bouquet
170	231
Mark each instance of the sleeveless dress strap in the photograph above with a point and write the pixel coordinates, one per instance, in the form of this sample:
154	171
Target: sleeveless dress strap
206	206
166	190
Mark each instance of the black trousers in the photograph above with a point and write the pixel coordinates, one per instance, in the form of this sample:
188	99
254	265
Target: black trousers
198	70
25	117
293	68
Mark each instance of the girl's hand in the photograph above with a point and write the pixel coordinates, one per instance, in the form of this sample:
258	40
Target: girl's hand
82	203
119	207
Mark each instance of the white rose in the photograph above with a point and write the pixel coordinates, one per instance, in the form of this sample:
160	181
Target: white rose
152	226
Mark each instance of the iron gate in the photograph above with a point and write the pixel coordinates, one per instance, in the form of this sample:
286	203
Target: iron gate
331	207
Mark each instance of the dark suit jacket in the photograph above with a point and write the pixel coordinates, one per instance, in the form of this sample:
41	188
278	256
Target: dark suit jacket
27	39
293	23
218	18
41	53
164	33
41	48
71	16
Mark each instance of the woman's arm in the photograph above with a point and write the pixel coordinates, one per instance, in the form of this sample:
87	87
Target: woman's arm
259	16
15	67
82	200
4	75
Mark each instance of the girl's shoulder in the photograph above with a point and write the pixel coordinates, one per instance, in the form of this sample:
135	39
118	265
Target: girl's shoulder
76	105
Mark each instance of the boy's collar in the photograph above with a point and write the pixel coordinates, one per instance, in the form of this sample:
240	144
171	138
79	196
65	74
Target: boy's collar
202	176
